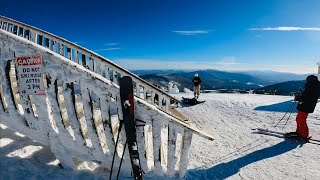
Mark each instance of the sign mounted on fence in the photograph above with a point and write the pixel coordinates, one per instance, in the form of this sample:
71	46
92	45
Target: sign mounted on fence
30	75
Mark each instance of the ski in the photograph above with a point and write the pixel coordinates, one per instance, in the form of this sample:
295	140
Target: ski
191	101
283	135
127	104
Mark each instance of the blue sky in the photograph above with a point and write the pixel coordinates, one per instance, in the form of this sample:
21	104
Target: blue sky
279	35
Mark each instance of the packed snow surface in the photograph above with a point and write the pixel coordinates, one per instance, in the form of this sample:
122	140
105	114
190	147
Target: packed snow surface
236	153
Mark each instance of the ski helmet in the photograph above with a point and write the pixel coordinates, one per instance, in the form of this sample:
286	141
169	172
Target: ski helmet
311	81
196	75
311	78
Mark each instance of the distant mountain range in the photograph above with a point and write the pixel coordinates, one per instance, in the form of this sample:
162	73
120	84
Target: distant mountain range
214	79
284	88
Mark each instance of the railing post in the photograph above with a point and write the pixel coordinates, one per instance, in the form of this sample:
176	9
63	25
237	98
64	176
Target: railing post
15	29
5	26
24	33
84	60
33	36
107	72
138	89
99	67
153	93
47	42
186	144
160	101
167	106
54	46
28	34
20	33
61	49
91	64
40	39
76	56
69	53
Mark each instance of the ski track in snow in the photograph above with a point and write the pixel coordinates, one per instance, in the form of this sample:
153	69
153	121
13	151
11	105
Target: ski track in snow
236	153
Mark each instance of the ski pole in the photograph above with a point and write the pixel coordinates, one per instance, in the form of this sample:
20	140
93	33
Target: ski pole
290	109
115	148
125	145
288	117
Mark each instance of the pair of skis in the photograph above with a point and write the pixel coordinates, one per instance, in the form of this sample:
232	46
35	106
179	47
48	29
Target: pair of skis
127	104
284	135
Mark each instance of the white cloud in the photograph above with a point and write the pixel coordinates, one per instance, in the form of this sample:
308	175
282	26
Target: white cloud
286	28
111	44
189	33
108	49
228	60
152	64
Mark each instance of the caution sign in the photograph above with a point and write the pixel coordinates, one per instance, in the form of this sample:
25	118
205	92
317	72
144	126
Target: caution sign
30	75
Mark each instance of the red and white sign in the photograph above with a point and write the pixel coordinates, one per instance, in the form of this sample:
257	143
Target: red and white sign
30	75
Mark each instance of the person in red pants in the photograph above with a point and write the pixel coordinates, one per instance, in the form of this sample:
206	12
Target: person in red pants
307	102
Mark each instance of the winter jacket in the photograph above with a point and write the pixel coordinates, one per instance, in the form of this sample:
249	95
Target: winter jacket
309	97
196	81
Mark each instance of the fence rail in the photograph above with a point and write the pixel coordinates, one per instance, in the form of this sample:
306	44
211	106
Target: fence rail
89	60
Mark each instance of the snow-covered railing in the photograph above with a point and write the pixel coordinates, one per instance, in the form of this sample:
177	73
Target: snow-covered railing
89	60
79	116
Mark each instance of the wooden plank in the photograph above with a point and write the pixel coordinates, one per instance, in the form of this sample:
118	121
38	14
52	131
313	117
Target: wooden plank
141	145
87	105
164	146
53	107
156	132
149	145
3	100
80	115
14	87
4	104
62	104
70	102
187	138
106	120
97	117
33	106
28	114
172	139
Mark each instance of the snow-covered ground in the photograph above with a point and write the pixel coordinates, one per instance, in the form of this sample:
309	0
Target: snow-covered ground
236	153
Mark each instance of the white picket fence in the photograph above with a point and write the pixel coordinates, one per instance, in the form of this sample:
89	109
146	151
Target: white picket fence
80	113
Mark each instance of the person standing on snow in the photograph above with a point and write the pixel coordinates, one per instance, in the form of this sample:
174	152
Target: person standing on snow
196	82
307	103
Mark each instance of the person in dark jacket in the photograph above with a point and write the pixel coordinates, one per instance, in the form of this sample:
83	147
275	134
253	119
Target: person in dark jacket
196	82
307	103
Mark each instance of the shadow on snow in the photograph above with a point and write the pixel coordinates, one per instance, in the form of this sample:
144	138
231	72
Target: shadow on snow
279	107
35	166
228	169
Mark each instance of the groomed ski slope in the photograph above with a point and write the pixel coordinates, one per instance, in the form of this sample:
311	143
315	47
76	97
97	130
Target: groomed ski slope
235	154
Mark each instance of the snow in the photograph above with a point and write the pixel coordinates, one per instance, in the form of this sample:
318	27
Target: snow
236	153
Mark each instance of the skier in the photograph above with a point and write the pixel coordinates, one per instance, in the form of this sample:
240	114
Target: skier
196	82
307	103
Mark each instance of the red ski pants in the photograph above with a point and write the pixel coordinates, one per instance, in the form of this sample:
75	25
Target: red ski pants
302	127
